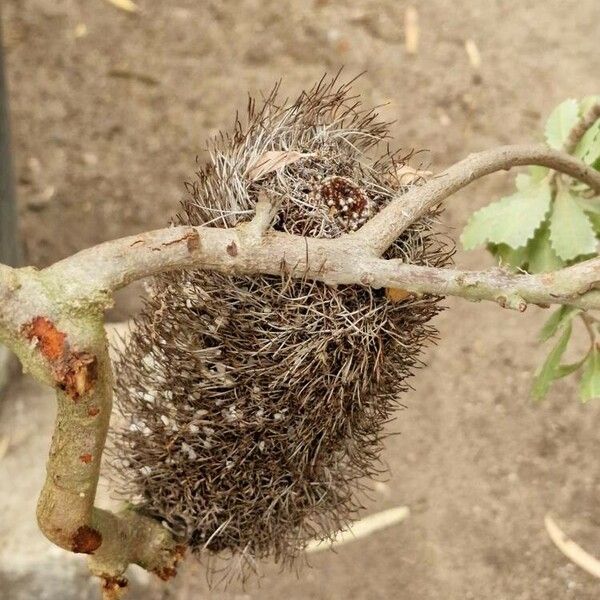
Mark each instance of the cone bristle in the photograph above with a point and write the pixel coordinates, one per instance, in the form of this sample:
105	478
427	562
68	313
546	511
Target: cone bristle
255	406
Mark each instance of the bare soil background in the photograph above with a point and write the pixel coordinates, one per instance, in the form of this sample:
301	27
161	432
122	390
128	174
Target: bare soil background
109	112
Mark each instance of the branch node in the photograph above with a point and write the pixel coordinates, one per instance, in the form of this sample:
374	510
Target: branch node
265	212
512	302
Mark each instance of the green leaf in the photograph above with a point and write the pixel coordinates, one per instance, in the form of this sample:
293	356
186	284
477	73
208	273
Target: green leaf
564	370
571	232
538	173
542	258
511	221
523	182
590	205
550	369
560	122
507	256
586	104
590	381
561	316
595	221
537	257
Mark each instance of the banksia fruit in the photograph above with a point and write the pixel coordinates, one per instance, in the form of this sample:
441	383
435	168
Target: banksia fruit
254	407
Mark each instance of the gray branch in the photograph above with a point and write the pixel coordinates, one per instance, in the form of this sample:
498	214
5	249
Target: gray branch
405	209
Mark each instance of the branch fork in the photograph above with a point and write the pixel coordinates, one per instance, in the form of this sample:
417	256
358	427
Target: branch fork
264	213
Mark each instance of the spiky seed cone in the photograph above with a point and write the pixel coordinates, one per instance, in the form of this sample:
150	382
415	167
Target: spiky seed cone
255	405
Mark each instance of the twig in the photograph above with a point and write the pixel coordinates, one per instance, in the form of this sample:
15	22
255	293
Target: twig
405	209
264	214
66	348
411	30
575	135
126	5
570	549
362	528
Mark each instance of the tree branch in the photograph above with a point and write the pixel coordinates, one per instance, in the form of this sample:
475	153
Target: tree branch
52	319
66	348
387	225
93	273
575	135
575	286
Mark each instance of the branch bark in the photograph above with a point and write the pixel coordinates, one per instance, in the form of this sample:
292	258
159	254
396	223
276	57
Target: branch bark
592	115
387	225
341	261
96	272
66	347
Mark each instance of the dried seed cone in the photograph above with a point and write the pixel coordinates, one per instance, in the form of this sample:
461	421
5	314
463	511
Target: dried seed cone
255	406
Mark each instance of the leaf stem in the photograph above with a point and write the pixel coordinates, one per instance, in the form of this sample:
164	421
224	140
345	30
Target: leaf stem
575	135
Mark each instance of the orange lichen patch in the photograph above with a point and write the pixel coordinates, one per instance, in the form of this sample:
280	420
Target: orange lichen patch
74	372
397	294
86	458
50	340
86	540
78	374
93	411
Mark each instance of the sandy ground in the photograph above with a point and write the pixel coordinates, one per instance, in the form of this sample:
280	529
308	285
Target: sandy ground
109	112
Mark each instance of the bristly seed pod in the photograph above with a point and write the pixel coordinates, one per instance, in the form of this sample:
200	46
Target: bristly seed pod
254	406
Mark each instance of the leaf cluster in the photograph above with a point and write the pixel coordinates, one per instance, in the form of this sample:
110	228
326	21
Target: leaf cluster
549	222
560	326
